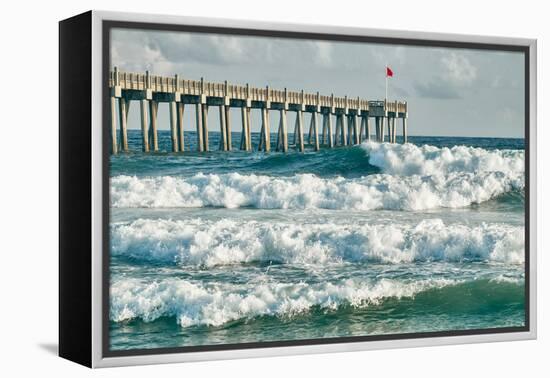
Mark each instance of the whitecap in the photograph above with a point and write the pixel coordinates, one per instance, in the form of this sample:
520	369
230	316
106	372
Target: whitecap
412	178
194	303
199	242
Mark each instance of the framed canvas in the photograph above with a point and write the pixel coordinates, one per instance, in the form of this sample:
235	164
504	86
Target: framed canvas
232	189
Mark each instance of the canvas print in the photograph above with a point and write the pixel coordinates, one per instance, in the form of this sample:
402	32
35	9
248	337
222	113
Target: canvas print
269	189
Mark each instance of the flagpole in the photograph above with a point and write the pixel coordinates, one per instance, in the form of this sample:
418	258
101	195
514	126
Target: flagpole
386	74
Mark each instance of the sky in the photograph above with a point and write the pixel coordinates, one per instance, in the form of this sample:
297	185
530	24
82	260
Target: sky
452	92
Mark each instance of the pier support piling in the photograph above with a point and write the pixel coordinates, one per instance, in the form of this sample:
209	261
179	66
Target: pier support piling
329	131
349	139
368	127
173	126
324	138
338	134
282	135
265	134
144	125
262	127
278	145
343	119
405	130
248	129
267	131
390	130
244	132
114	144
181	135
315	124
382	128
295	135
205	127
223	129
310	132
198	113
362	129
356	130
123	107
153	140
300	130
227	111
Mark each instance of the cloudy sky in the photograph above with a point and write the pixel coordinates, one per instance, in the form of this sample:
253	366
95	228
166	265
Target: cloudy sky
455	92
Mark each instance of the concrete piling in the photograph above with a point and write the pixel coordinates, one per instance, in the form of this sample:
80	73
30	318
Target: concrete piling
144	125
382	128
244	131
368	128
198	113
299	130
391	131
123	108
282	135
181	135
355	130
205	127
343	119
173	126
223	130
114	144
153	140
227	111
329	131
315	131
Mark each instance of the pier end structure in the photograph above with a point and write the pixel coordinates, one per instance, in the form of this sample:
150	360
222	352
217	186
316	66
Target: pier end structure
352	115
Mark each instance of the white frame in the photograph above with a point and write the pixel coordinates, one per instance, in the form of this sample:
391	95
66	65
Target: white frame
97	206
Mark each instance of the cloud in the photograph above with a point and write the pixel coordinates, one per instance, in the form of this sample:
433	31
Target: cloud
131	48
399	91
456	73
324	53
437	89
459	69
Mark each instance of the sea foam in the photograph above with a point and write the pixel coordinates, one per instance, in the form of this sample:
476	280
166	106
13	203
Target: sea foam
411	178
196	303
409	159
209	243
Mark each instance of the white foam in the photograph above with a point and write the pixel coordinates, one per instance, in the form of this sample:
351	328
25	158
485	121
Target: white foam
194	303
410	160
209	243
413	178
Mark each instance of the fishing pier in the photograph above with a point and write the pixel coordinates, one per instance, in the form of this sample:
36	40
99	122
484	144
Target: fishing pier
352	116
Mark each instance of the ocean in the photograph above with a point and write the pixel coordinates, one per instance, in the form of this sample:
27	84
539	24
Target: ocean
374	239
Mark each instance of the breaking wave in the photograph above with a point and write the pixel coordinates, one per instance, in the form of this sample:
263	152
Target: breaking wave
199	304
411	178
194	303
209	243
426	160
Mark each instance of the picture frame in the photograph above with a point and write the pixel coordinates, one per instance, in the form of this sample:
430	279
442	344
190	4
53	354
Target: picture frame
88	83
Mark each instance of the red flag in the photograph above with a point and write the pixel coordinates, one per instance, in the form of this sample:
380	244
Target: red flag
389	72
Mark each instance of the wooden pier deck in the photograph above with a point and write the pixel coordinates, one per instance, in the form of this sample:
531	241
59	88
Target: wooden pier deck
352	116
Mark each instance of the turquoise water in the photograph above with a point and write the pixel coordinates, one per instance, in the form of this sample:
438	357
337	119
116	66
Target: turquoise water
217	248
